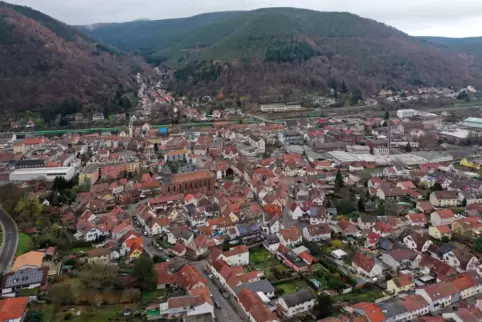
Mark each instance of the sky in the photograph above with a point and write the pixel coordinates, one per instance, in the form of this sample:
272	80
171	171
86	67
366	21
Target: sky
449	18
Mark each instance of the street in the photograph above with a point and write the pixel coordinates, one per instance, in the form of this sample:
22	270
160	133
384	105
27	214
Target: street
10	241
229	307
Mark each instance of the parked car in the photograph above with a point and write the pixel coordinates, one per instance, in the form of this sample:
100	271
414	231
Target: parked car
210	276
217	304
225	294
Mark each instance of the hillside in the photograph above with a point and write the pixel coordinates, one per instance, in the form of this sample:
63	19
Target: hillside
466	46
45	63
280	53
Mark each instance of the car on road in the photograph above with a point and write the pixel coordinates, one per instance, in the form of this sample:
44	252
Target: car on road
210	276
145	233
217	304
225	294
138	224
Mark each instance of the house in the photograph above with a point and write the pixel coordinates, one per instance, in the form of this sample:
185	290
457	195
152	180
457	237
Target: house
254	307
97	117
178	250
28	260
370	311
98	256
439	295
442	217
469	284
447	198
399	259
183	307
417	219
406	185
366	265
315	233
439	232
261	286
157	226
461	260
389	192
416	241
415	306
27	278
237	256
344	227
431	265
470	225
365	222
297	303
402	283
272	243
297	211
290	236
14	309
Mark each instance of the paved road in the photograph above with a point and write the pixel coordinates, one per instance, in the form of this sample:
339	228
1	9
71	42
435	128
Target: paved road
8	249
230	310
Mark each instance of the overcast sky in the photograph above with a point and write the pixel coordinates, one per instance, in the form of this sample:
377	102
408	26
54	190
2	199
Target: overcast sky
450	18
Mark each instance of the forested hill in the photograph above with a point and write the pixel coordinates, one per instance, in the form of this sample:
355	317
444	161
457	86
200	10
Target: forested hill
466	46
45	63
283	52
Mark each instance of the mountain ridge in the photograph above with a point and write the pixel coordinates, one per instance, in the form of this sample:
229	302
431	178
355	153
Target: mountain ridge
46	62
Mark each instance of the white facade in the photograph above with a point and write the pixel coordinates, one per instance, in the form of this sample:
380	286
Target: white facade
297	309
48	174
279	108
435	304
406	113
241	259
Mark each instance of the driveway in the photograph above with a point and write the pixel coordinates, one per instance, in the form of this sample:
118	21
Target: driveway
230	310
10	241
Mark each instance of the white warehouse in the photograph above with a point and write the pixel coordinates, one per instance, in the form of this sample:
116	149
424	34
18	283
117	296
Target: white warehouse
48	174
406	113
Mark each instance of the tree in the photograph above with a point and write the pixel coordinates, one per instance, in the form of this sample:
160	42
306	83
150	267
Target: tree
408	148
28	209
437	187
61	294
478	244
381	208
445	239
338	180
98	277
361	205
323	307
344	88
145	273
387	115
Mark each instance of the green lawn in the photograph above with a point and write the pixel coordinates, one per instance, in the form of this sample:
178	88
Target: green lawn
24	244
293	286
360	295
81	250
261	258
104	313
153	296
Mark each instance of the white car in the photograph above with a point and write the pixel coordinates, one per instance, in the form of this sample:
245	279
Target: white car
210	276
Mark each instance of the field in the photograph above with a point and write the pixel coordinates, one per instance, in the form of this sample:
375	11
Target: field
24	244
260	258
105	313
293	286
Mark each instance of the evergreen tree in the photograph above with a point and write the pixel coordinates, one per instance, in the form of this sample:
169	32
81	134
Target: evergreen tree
361	205
344	88
408	148
338	180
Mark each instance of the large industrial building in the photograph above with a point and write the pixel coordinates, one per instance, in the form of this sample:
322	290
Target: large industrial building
406	113
48	174
472	122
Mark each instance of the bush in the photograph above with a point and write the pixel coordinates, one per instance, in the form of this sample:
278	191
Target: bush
68	316
280	291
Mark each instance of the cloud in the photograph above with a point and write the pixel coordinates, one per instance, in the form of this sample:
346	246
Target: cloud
461	18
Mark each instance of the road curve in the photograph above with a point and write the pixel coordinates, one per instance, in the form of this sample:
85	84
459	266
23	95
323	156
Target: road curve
10	241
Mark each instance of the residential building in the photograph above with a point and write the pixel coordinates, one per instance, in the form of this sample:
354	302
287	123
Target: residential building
279	107
366	265
290	236
442	217
14	309
439	295
402	283
370	311
316	233
237	256
297	303
26	278
439	232
447	198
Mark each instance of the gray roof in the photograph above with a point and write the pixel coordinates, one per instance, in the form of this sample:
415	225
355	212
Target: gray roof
392	308
24	277
258	286
299	297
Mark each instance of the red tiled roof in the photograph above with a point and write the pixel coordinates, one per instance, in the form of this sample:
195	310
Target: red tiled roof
13	308
372	311
417	218
291	234
237	250
414	302
365	262
445	213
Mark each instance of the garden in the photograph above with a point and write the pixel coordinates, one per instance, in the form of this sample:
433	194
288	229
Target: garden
261	259
24	244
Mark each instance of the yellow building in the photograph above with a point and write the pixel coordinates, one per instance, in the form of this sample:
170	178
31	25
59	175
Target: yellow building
403	283
471	163
89	175
438	232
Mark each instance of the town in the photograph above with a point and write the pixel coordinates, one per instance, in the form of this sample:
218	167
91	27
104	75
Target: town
343	218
